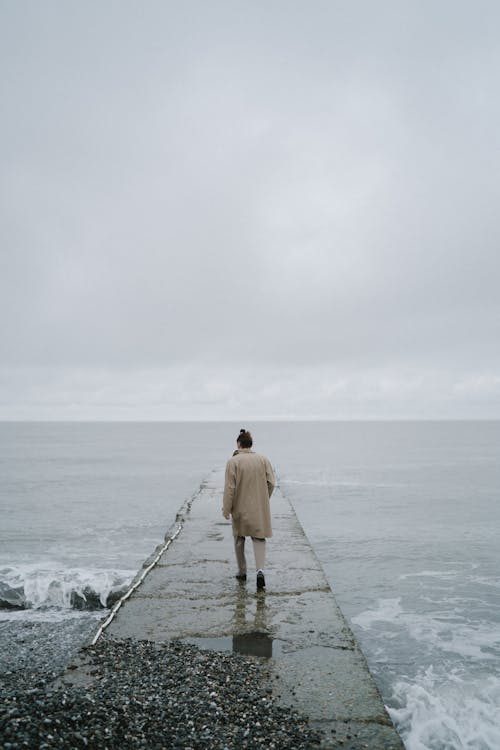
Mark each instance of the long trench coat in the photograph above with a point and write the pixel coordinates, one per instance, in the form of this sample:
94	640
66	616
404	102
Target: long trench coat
248	486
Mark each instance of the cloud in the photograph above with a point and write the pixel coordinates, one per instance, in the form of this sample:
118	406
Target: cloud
272	188
210	393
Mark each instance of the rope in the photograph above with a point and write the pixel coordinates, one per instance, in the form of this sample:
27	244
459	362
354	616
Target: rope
180	518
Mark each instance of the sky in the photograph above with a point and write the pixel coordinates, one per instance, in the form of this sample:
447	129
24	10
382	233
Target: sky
249	210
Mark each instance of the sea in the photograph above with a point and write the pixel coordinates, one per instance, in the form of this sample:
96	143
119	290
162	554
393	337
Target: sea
404	517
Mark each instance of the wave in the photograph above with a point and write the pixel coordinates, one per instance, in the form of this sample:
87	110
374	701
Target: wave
441	709
444	632
50	586
388	610
445	693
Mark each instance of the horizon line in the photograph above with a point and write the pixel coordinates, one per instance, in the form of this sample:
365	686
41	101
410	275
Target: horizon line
225	420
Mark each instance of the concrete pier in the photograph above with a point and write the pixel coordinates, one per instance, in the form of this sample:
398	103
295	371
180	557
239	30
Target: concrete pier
313	660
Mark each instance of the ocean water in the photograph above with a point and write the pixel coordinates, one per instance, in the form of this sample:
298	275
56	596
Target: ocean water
404	517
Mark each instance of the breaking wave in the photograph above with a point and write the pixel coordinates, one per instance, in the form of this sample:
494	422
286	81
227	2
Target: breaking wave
447	710
46	587
449	698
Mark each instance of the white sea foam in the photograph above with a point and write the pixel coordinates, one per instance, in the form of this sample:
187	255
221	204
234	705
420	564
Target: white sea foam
439	710
388	610
454	704
476	640
50	586
440	631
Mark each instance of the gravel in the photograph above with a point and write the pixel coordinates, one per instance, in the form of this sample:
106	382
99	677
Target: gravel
42	647
147	695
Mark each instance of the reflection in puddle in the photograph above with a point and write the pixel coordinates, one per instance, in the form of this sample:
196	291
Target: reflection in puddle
250	630
253	644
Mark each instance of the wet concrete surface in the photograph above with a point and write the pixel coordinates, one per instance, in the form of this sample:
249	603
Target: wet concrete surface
314	663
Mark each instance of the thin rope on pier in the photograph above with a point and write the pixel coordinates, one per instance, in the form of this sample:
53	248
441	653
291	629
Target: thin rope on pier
180	518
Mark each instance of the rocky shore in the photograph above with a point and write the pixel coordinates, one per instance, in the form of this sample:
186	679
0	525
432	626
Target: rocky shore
147	695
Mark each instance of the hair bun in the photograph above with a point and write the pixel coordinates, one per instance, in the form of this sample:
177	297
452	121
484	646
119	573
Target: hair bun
244	439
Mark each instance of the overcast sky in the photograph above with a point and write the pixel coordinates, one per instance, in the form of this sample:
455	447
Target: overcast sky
249	209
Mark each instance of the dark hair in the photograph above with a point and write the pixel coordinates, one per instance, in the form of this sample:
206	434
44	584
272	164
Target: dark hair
244	439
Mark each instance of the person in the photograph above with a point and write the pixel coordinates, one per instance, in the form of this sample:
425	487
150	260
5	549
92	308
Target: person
249	484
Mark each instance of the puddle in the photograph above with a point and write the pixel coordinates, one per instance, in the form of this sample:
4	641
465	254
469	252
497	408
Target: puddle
250	644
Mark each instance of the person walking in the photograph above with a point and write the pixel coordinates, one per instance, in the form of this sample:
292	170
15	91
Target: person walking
249	484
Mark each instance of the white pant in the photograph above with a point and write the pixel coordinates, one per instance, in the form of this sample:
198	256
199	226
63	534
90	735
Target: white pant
259	550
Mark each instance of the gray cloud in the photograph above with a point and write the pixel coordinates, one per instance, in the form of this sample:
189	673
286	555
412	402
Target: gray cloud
307	191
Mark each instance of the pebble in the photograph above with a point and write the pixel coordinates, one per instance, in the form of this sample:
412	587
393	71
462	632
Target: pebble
150	695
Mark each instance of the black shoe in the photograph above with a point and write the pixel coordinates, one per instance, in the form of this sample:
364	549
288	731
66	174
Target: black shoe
241	576
261	581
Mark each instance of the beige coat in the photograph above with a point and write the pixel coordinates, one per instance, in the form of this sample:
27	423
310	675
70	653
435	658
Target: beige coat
249	484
